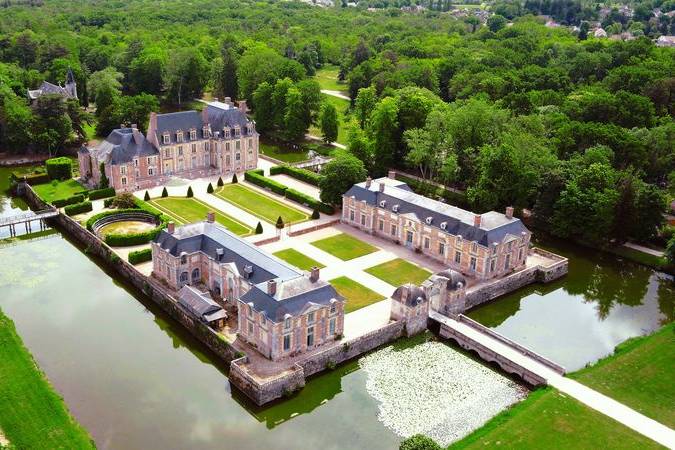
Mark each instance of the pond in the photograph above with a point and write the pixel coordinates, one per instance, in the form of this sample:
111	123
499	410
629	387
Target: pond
580	318
10	206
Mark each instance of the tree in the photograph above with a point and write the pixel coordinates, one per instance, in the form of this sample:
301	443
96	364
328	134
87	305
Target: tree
473	22
165	193
125	200
147	71
496	22
189	192
186	75
225	81
209	189
329	122
359	146
280	223
263	107
234	179
312	99
383	131
137	109
670	251
104	86
364	104
16	122
343	171
279	100
260	63
294	124
103	182
146	197
419	442
77	117
259	228
315	214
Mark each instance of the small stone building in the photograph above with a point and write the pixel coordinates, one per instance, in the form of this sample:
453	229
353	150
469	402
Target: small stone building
69	90
201	305
446	292
410	304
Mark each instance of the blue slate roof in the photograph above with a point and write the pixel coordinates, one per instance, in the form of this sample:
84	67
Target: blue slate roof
200	304
494	226
122	145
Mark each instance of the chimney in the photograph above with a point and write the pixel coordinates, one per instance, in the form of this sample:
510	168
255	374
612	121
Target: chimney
210	217
391	174
241	104
477	219
228	100
381	187
509	212
138	136
215	99
272	287
314	274
368	182
171	227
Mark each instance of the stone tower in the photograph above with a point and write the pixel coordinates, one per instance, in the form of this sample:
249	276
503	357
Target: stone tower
71	85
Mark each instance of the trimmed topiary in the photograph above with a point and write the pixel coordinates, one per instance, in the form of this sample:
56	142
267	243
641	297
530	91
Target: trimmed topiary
220	182
315	214
234	179
101	193
209	189
189	192
259	228
165	193
59	168
139	256
146	197
125	200
280	223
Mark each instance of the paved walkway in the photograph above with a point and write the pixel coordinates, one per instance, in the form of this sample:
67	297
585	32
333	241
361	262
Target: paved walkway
317	138
337	94
643	249
601	403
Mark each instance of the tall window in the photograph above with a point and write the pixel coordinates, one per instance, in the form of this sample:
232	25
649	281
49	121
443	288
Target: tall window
472	263
287	324
441	248
380	225
310	317
167	153
237	157
287	342
427	242
474	247
363	219
310	336
193	135
351	215
331	326
180	150
393	230
507	262
194	148
458	257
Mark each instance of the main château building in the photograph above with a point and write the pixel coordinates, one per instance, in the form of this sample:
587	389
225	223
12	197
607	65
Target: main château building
218	140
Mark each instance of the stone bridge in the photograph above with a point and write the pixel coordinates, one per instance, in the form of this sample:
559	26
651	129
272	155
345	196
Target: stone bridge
493	347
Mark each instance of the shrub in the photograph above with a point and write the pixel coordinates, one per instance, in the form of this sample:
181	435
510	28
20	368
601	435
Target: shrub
259	228
305	199
108	202
101	193
209	189
189	192
146	197
220	182
165	193
280	223
31	178
59	168
104	183
315	214
125	240
256	177
60	203
300	174
77	208
234	179
419	442
124	200
139	256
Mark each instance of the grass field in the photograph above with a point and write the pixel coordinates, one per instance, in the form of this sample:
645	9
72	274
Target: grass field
344	246
356	294
398	272
327	77
259	204
58	190
341	105
277	152
640	374
548	419
187	210
299	260
32	414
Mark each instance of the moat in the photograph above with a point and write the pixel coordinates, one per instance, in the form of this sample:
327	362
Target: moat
85	330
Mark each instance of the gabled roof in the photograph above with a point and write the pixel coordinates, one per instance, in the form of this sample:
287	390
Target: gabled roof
122	145
200	304
494	226
47	88
178	121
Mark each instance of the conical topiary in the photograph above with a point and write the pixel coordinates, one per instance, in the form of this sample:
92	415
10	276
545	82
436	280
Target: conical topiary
315	214
189	192
165	193
258	228
146	197
280	223
220	182
209	189
234	179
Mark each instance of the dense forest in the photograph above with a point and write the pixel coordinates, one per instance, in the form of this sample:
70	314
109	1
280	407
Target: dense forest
578	130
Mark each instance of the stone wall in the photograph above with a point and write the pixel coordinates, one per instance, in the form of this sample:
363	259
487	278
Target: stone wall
313	228
267	391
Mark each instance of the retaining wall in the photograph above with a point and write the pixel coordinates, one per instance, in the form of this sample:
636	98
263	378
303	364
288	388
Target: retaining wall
314	228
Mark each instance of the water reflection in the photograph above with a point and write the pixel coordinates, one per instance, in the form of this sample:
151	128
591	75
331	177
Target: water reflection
576	320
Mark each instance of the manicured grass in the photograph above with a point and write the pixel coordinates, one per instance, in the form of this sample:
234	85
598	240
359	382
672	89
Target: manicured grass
640	374
188	210
296	258
548	419
286	155
341	105
32	414
259	204
357	295
398	272
344	246
327	77
58	189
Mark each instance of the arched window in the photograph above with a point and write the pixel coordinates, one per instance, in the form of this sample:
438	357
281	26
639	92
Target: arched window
195	275
183	277
183	259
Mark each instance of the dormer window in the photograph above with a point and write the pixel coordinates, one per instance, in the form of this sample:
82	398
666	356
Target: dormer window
166	138
237	131
383	203
179	136
193	135
395	208
429	220
444	225
458	241
249	128
226	133
205	132
474	247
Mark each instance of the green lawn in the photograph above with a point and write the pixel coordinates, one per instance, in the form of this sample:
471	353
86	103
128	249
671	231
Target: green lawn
398	272
341	106
259	204
357	295
344	246
188	210
640	374
327	77
282	154
296	258
32	414
548	419
58	189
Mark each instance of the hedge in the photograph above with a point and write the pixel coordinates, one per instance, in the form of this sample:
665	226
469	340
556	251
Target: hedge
305	199
257	177
139	256
101	193
108	202
59	168
33	178
128	239
77	208
300	174
60	203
